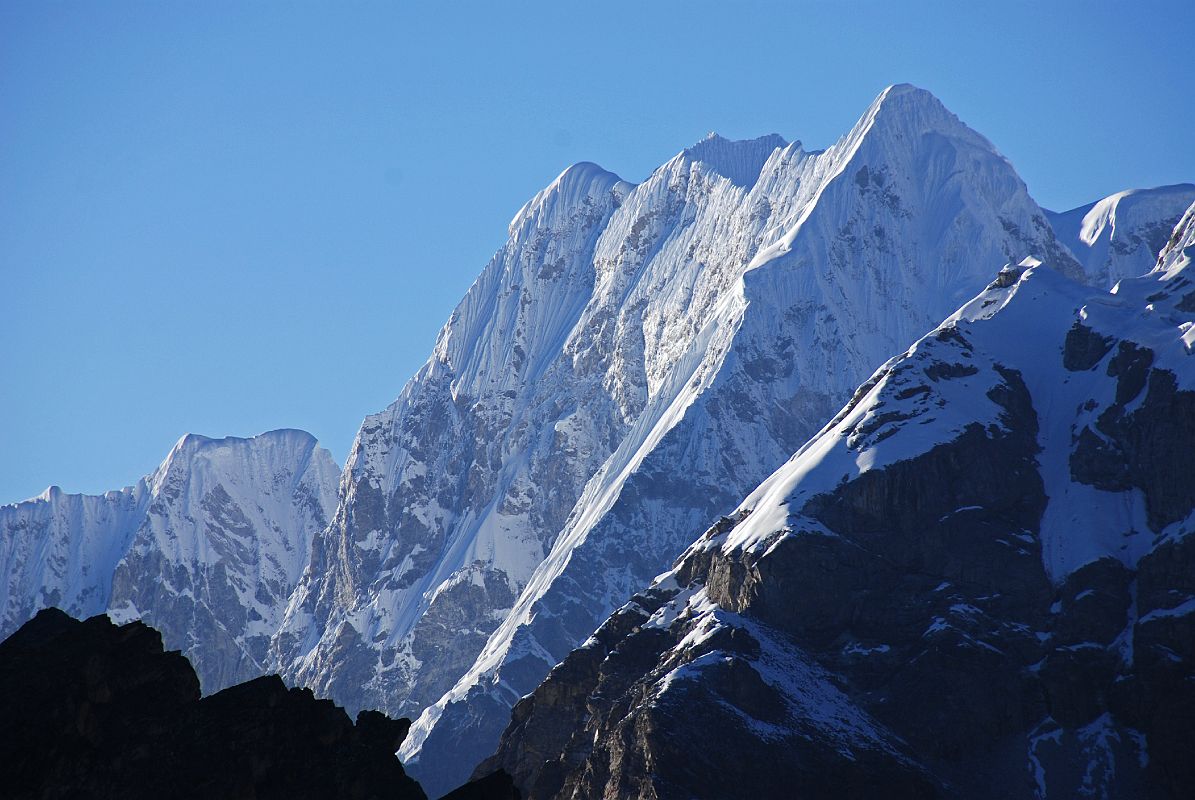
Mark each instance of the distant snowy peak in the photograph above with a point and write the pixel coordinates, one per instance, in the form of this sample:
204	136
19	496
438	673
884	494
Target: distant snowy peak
60	549
738	161
195	457
579	185
220	531
1121	235
740	293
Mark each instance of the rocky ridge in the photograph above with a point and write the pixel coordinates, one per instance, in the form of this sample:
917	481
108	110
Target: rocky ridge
93	709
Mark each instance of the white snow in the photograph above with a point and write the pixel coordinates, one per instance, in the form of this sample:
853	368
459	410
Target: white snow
1181	610
1112	237
251	506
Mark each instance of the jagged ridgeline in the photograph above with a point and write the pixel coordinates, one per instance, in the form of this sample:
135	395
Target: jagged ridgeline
731	304
634	361
630	364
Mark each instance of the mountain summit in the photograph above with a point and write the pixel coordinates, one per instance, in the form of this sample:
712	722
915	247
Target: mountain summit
633	360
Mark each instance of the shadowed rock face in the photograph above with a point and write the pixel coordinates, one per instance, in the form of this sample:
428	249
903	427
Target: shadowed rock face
1146	448
853	614
92	709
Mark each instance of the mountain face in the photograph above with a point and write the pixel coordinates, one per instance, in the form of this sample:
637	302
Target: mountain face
208	548
629	365
1121	235
975	581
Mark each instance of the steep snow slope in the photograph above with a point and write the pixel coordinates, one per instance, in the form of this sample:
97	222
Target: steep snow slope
207	548
631	363
1121	235
974	581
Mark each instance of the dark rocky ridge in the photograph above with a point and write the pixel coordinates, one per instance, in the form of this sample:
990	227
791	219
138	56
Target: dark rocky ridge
92	709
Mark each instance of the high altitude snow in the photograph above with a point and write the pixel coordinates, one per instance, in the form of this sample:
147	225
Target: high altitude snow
631	363
1121	235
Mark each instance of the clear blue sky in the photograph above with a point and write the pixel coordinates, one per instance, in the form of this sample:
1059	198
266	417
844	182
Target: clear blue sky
227	218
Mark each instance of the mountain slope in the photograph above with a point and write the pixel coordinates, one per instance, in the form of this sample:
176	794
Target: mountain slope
635	359
1121	235
973	582
207	548
451	495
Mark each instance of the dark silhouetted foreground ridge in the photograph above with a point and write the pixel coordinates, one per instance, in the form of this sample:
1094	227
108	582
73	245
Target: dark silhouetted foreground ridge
92	709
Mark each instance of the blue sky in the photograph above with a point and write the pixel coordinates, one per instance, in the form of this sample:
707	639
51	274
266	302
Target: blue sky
228	218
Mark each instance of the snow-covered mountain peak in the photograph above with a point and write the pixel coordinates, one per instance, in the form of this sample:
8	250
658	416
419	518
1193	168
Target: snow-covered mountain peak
198	455
911	160
49	494
904	109
208	547
725	323
191	444
739	161
1121	235
1103	215
1007	505
578	185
